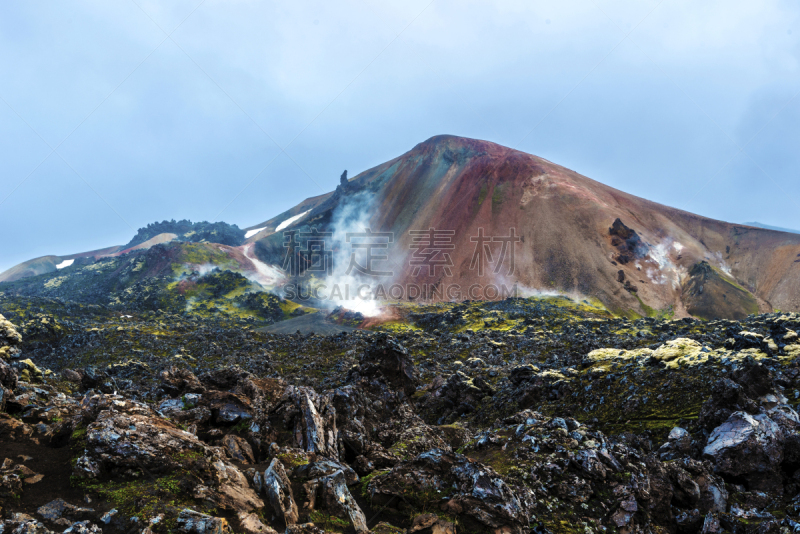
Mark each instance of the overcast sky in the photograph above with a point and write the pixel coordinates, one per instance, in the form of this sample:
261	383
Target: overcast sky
117	114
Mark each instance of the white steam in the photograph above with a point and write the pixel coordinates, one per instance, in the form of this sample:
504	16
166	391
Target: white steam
717	258
354	290
265	275
668	272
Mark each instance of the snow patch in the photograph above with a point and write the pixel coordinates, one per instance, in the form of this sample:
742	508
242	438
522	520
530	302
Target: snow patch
251	233
290	220
64	264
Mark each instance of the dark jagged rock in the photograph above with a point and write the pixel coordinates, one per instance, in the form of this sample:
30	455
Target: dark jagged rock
471	491
177	381
117	442
560	415
750	447
387	359
627	242
336	499
191	522
278	490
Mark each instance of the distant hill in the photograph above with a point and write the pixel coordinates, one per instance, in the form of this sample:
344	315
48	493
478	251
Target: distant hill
153	234
776	228
185	230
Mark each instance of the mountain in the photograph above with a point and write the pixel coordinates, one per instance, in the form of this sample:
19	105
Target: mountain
566	233
149	236
776	228
577	235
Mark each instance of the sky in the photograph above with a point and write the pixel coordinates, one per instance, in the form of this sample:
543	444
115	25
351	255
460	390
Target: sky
117	114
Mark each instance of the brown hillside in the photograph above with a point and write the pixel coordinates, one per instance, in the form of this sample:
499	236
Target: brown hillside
565	223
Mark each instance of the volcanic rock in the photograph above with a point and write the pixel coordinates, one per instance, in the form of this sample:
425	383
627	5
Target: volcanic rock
278	490
117	442
750	447
388	359
469	490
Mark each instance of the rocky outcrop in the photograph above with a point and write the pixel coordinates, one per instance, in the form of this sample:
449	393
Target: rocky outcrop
750	447
10	339
119	442
335	498
471	491
458	395
558	423
278	490
386	359
627	242
311	419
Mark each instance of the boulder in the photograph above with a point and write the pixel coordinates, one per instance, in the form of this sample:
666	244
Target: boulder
59	508
251	524
227	408
727	397
338	501
679	442
238	449
473	492
311	419
8	376
225	378
388	359
191	522
458	395
740	392
324	467
522	373
117	442
748	446
278	490
177	381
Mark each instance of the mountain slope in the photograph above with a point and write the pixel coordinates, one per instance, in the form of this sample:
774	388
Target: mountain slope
565	222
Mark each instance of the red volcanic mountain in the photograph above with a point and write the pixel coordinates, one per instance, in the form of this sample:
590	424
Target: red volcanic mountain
572	234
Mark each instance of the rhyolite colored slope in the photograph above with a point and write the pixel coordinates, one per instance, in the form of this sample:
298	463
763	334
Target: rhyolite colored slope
566	222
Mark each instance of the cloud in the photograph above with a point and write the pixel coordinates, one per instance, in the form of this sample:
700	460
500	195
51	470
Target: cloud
193	127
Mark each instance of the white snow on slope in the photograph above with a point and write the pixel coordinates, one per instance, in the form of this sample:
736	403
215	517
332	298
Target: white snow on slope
290	220
65	263
251	233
